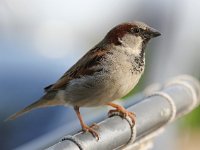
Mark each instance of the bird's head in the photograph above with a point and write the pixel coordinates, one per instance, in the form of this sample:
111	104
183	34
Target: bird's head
134	35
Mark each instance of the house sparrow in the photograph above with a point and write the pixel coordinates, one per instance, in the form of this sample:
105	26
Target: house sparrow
105	73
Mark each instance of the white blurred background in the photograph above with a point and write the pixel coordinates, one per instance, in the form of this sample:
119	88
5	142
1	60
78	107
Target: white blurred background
41	39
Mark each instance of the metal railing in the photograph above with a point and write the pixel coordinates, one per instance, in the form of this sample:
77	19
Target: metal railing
157	108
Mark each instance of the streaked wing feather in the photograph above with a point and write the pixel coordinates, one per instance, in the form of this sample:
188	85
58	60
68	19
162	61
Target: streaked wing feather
85	66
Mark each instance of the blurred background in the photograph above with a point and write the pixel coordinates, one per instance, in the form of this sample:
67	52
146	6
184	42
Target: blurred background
41	39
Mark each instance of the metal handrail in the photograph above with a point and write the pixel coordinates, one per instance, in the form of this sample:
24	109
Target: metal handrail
159	107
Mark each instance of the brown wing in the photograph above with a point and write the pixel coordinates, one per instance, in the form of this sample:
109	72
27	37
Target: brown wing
85	66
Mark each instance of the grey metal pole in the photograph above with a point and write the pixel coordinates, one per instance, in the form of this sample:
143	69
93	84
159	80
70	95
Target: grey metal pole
175	98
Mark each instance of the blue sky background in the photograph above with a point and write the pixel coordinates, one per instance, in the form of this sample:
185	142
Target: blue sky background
41	39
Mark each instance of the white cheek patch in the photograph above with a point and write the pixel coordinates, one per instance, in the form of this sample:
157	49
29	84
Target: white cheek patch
132	44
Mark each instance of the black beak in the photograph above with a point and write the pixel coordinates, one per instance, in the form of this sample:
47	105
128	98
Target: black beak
154	33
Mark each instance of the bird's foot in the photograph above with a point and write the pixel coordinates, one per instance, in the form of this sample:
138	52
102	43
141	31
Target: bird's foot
91	130
84	126
123	112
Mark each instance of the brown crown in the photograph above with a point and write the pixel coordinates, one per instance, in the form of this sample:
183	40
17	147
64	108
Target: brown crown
118	32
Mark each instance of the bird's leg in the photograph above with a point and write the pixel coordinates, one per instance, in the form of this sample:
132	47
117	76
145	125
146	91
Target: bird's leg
85	127
122	111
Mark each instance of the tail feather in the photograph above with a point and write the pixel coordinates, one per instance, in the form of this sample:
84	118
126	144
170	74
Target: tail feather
42	102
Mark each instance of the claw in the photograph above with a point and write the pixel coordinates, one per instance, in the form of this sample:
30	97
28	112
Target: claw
94	125
123	112
91	130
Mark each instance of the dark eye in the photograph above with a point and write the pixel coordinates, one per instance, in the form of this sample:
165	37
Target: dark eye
135	30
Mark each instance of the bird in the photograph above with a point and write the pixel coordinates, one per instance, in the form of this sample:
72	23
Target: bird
108	71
